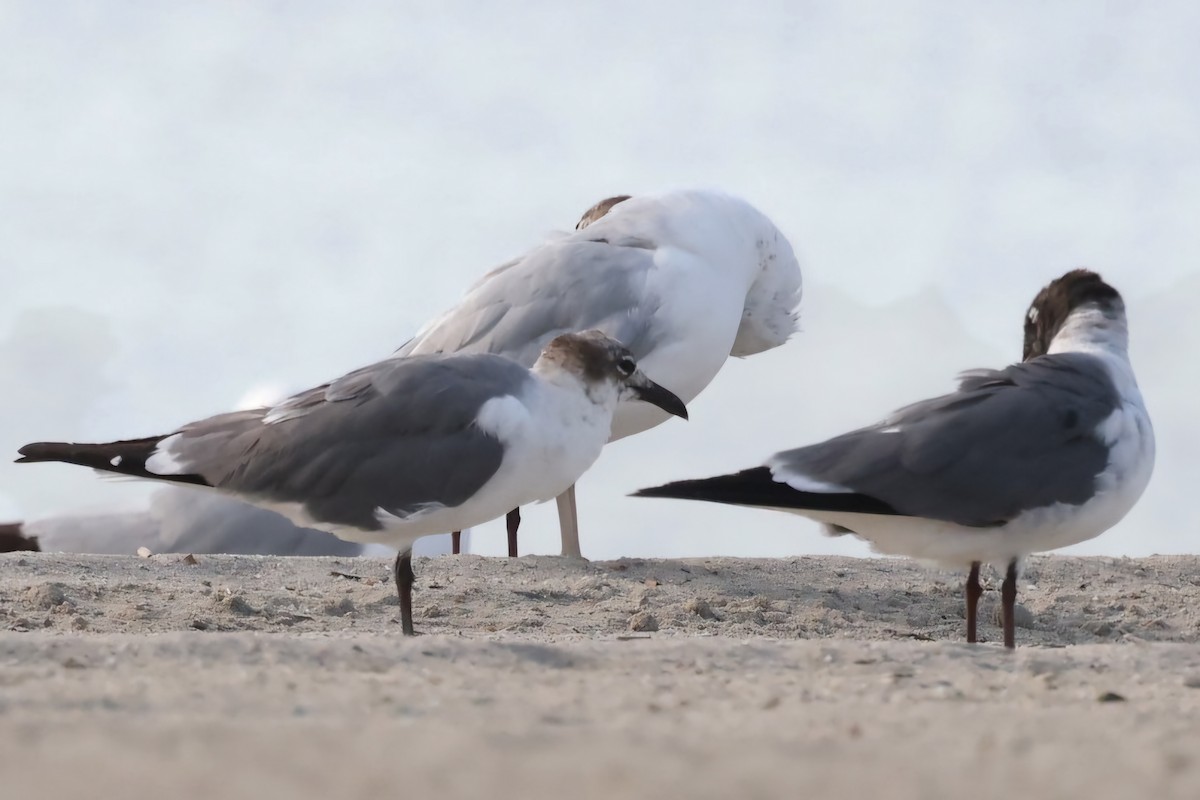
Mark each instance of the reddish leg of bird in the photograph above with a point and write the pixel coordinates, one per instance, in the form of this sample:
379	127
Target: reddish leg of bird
974	591
1008	598
514	521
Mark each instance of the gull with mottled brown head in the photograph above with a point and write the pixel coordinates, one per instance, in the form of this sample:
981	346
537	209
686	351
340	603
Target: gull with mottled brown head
1043	454
403	448
685	279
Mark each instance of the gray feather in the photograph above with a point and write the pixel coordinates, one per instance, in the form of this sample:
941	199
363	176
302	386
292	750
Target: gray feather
398	435
1007	441
563	286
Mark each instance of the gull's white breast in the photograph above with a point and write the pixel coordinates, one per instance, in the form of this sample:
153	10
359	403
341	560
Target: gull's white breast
699	307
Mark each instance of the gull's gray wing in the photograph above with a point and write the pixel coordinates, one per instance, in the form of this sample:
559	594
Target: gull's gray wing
1007	441
399	435
570	284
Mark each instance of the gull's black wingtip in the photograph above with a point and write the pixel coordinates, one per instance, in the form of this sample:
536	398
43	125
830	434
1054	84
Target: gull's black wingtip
13	539
758	487
654	491
126	457
719	489
39	451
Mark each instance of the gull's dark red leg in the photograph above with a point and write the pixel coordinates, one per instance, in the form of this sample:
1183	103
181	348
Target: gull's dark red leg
974	591
1008	598
456	543
403	573
514	521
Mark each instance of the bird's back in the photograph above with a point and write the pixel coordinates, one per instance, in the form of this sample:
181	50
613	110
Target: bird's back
666	275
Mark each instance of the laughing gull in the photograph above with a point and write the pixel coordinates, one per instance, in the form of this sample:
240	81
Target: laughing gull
1040	455
684	279
403	448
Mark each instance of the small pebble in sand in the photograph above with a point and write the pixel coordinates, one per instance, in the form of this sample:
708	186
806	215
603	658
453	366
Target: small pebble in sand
643	621
235	603
1022	616
700	608
48	595
340	607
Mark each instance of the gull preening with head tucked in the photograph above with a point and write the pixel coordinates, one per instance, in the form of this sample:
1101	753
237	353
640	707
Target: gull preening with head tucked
684	279
404	448
1040	455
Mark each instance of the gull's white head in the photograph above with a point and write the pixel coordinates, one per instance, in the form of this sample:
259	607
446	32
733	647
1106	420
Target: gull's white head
605	369
728	231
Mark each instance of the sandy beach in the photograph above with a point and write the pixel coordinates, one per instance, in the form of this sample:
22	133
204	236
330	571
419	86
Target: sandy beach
811	676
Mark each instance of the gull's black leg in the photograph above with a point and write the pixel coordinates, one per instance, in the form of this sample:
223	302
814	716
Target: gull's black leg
974	590
514	521
1008	597
456	542
403	573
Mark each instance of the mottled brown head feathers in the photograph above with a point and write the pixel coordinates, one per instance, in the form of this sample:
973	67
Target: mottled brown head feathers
602	362
1054	304
599	210
592	355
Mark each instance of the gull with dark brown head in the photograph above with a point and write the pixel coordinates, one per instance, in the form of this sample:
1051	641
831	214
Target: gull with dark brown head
404	448
685	279
1040	455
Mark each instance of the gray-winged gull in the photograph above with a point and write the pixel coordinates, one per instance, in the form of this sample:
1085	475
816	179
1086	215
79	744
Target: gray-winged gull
684	279
1040	455
403	448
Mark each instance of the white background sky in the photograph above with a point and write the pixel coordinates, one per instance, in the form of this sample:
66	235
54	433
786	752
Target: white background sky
200	200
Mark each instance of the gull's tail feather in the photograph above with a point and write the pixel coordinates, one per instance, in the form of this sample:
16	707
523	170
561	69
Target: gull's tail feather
126	457
757	487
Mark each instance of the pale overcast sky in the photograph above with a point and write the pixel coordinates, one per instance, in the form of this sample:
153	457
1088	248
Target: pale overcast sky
198	201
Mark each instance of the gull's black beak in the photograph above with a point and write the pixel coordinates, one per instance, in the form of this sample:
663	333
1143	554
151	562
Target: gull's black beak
643	388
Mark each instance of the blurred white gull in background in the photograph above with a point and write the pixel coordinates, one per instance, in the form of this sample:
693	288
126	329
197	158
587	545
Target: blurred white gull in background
684	279
188	521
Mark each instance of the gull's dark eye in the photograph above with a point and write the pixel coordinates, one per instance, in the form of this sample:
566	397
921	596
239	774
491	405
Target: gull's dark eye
626	366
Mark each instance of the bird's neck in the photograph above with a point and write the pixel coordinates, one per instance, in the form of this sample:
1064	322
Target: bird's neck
1093	330
1103	334
555	376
